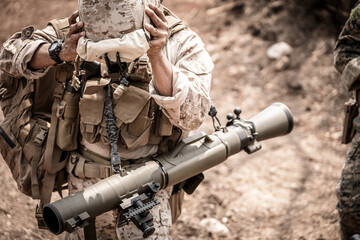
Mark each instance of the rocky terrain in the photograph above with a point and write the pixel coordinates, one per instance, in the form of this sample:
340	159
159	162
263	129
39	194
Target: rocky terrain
286	190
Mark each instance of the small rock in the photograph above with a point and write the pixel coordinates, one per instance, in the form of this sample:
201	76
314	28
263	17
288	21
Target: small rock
214	226
276	6
294	84
229	214
225	220
278	50
282	64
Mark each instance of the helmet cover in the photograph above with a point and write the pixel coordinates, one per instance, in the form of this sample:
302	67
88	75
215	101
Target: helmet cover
108	19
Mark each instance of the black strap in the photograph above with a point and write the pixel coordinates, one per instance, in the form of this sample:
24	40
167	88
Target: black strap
119	69
7	138
90	230
111	131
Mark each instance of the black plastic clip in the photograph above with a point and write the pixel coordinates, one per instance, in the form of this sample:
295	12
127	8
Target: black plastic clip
212	113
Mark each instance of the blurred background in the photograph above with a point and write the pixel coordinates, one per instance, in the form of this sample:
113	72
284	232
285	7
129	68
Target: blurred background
264	51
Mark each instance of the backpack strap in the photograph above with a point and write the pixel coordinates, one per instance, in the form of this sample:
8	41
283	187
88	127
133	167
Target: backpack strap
46	192
38	140
61	27
52	154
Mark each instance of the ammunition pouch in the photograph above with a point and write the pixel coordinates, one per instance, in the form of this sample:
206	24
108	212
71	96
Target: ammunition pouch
91	109
133	112
137	117
139	121
68	121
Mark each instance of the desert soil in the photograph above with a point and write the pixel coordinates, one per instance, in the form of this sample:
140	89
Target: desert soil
287	189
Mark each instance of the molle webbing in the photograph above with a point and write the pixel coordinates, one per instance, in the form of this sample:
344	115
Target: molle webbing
28	128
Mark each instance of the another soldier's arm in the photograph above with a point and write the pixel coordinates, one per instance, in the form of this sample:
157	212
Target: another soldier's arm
348	45
347	51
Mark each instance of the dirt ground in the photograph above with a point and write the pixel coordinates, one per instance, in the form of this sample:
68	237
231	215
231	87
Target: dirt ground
287	189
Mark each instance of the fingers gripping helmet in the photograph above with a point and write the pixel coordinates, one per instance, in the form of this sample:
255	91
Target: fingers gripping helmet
107	19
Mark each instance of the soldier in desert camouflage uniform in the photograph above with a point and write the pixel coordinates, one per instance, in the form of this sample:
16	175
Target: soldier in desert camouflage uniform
347	56
179	84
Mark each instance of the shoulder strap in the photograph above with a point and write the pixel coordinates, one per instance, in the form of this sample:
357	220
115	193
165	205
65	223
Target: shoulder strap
53	155
61	27
175	24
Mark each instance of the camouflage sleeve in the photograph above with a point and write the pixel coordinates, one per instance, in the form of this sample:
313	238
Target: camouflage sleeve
192	67
19	49
347	51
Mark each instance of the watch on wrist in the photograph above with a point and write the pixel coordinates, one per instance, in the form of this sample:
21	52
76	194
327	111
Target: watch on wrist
54	50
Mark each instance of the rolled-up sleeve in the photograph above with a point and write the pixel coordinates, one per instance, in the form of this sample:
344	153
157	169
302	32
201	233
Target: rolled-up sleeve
19	49
192	67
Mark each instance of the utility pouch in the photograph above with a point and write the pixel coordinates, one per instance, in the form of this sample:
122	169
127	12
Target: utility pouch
68	121
92	109
135	116
351	112
163	125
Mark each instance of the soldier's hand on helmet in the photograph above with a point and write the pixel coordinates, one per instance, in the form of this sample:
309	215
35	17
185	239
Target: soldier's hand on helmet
159	31
68	51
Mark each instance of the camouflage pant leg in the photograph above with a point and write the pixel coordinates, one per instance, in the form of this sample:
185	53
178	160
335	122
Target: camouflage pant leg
348	192
162	221
105	223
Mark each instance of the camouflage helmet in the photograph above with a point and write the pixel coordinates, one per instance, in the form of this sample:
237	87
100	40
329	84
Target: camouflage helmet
107	19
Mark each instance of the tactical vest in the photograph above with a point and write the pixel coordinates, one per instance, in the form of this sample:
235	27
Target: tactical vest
139	120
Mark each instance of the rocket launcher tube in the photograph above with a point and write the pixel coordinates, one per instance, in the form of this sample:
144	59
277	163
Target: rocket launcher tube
106	195
275	120
192	156
199	153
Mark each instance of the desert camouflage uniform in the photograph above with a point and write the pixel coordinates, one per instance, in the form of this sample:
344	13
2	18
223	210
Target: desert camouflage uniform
191	66
346	56
186	109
